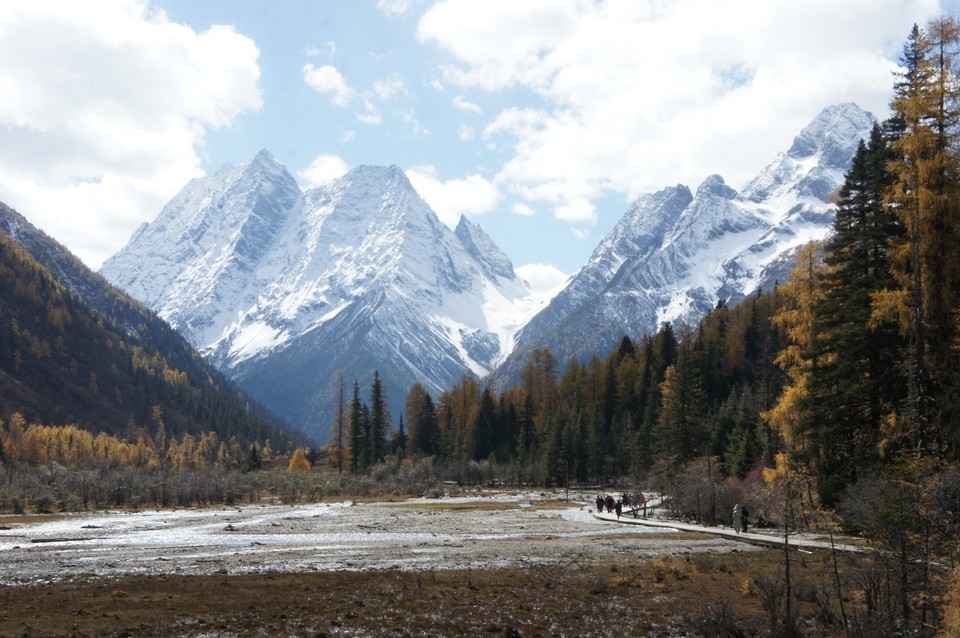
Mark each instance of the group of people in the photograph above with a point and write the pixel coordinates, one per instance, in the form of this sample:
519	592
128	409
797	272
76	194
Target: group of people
740	515
616	505
740	518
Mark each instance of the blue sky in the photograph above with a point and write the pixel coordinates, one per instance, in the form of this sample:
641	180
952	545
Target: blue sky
539	119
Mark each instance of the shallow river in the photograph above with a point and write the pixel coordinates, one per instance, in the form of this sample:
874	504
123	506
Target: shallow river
451	533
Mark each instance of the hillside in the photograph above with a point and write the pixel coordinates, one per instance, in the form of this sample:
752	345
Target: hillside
73	349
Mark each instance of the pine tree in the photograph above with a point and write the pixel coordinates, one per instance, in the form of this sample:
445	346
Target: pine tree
254	461
400	441
422	417
339	432
852	379
484	427
358	429
680	434
379	421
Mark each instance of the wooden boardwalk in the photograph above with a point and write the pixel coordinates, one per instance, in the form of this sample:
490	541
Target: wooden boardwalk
801	541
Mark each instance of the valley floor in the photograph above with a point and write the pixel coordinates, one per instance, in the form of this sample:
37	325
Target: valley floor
505	564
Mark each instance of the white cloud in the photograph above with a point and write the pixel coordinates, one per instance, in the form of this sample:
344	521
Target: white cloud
466	133
329	50
523	210
466	105
386	89
370	114
636	96
105	107
323	170
395	8
328	80
541	277
473	195
580	233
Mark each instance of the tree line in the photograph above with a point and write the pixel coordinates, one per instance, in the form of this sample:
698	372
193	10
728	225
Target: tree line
835	394
849	366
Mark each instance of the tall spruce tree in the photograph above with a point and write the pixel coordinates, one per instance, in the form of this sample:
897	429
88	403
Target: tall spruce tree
357	432
424	438
680	433
851	387
379	421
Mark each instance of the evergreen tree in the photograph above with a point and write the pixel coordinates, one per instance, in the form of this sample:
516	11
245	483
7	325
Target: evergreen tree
400	440
254	462
680	434
357	432
339	432
484	427
852	381
379	421
422	417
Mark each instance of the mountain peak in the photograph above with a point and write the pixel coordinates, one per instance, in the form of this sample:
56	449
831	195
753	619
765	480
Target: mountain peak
351	277
714	185
263	156
482	248
818	158
834	133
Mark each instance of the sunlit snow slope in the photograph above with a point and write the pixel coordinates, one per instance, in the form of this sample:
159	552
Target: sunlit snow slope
286	290
676	253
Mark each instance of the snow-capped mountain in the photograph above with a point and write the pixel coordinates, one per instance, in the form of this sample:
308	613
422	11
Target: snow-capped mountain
286	290
675	253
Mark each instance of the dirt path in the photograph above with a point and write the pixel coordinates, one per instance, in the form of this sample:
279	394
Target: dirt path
764	537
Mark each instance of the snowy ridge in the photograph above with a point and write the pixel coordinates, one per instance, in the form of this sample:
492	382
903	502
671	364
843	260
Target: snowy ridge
675	254
284	290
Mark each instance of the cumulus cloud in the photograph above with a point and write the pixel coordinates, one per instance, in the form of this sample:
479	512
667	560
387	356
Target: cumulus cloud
322	170
523	210
541	277
392	86
466	105
105	109
635	96
328	80
473	195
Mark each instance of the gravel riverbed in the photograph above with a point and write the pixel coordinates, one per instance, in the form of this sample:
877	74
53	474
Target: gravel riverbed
489	530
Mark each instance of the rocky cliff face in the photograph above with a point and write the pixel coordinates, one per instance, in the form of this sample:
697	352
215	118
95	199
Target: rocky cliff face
286	290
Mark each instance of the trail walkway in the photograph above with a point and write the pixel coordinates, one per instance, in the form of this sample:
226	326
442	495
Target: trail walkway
771	538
